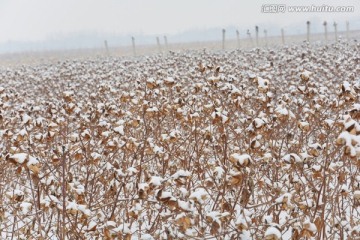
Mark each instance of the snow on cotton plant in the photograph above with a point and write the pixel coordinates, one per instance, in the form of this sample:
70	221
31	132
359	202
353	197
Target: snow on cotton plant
250	144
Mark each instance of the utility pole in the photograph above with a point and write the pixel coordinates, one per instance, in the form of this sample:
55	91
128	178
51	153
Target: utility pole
308	31
166	43
238	38
266	38
249	36
223	39
133	46
257	35
106	48
282	36
335	28
326	32
158	44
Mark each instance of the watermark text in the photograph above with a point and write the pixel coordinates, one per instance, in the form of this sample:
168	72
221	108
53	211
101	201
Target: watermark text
282	8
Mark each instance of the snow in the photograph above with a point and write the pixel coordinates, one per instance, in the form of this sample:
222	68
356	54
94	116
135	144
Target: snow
158	150
74	137
80	189
267	219
25	119
167	196
156	181
251	75
219	171
181	173
224	118
169	80
356	194
32	161
308	203
305	74
304	156
258	122
346	85
285	198
120	173
184	192
19	157
95	155
347	138
214	215
123	228
109	166
110	224
106	134
241	159
150	80
282	111
334	166
48	200
263	84
103	123
25	207
143	186
199	195
310	226
356	229
68	93
344	188
356	106
72	206
316	167
152	109
304	124
292	157
316	146
273	231
84	209
23	132
119	130
186	206
351	123
241	221
213	79
91	225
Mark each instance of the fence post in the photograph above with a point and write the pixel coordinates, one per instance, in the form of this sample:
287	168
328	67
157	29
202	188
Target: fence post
250	38
266	38
158	44
282	36
166	43
326	32
257	35
223	39
106	48
133	46
238	38
335	28
308	31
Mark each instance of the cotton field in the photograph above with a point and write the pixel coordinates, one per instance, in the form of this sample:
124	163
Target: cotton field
243	144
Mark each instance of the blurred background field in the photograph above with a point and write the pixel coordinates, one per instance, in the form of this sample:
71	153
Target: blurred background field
52	56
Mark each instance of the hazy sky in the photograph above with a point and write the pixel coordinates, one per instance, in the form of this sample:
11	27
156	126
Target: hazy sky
31	20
